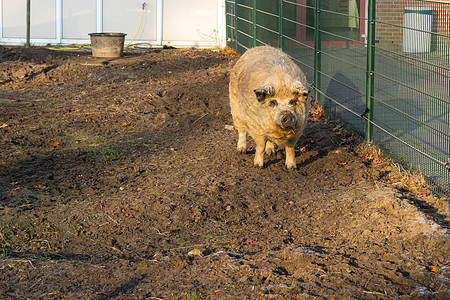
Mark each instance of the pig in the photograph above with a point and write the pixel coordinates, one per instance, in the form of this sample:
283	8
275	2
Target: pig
269	100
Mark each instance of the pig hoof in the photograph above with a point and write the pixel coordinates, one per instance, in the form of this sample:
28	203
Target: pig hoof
291	166
242	150
259	166
259	163
270	151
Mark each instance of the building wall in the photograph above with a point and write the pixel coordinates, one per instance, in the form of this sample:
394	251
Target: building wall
173	22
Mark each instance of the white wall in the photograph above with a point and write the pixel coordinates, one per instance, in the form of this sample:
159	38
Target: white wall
192	20
42	16
79	18
164	22
125	16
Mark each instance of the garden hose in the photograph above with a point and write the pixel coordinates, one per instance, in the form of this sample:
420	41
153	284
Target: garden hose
81	46
71	47
140	23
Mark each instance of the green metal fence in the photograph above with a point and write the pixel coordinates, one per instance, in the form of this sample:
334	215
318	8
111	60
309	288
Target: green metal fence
381	67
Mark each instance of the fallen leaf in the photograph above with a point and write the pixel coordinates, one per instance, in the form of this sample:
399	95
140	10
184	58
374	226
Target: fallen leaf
3	125
195	252
124	124
12	192
434	269
317	113
376	162
55	144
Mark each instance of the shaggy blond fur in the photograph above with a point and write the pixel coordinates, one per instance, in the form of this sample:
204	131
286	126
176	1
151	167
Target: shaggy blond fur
266	87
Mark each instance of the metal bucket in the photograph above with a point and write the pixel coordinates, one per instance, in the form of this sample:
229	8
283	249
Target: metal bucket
107	44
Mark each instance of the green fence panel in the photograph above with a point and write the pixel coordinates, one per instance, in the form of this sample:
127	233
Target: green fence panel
294	39
412	88
343	62
267	28
387	76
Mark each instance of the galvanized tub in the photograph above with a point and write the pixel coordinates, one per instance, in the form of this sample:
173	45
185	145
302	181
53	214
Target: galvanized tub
107	44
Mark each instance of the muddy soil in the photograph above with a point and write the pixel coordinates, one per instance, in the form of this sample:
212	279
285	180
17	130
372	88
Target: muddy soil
120	179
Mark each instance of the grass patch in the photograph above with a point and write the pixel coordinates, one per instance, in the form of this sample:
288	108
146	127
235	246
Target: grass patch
194	295
105	150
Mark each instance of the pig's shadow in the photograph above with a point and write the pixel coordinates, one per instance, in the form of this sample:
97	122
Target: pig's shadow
280	156
312	158
274	159
268	159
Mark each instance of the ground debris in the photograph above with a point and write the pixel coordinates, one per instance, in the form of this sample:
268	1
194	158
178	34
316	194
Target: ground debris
123	181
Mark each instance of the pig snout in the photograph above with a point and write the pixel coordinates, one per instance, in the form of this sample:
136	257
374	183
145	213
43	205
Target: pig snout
287	120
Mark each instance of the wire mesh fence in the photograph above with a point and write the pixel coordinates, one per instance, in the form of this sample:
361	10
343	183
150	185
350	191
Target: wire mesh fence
381	67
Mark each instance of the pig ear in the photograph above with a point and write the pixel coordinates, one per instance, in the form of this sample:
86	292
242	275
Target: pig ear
262	92
299	89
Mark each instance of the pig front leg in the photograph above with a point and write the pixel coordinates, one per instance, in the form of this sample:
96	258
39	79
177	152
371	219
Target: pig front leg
290	157
259	155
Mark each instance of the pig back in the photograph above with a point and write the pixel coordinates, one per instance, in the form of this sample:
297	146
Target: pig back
257	67
263	65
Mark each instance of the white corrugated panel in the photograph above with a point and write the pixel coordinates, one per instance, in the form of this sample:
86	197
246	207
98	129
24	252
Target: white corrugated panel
79	18
173	22
194	20
43	18
124	16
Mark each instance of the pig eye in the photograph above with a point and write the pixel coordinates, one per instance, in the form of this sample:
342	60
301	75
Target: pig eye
273	103
293	102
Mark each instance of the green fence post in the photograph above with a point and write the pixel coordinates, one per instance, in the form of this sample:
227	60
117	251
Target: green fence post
317	52
28	23
370	71
254	23
280	25
235	26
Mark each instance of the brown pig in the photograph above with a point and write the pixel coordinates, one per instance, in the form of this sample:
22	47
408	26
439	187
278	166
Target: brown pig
269	101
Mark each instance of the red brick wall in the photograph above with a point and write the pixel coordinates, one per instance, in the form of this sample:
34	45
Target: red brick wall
441	24
392	12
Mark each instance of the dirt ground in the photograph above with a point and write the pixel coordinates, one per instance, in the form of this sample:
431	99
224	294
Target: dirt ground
120	179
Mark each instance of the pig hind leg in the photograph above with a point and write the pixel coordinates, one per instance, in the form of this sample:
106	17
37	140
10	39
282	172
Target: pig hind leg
270	148
259	154
242	139
242	142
